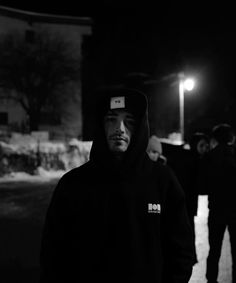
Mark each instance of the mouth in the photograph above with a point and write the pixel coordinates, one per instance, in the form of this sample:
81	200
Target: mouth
118	139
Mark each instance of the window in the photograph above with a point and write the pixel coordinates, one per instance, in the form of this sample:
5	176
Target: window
3	118
29	36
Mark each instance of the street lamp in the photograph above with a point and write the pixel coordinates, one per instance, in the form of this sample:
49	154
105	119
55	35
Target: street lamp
184	84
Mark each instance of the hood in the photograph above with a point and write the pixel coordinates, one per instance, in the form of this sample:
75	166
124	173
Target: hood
100	153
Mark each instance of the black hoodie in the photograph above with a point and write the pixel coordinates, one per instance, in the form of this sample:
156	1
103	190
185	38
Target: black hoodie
118	223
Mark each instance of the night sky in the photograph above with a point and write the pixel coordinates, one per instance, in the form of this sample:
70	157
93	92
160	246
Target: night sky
158	41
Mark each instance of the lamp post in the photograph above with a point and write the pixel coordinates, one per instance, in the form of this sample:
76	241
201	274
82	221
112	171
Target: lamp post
184	84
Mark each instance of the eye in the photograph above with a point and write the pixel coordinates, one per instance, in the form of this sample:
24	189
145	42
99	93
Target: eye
130	125
130	121
109	118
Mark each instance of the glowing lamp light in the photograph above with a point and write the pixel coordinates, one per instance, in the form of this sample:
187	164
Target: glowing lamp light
189	84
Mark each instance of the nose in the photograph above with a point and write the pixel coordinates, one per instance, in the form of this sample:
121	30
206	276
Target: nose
120	127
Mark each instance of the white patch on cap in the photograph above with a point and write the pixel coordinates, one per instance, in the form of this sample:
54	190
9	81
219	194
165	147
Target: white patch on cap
117	102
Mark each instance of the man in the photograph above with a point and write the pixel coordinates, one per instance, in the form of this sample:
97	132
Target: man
120	217
221	183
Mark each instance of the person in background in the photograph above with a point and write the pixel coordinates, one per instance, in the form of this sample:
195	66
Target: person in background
194	175
154	150
120	217
199	144
221	185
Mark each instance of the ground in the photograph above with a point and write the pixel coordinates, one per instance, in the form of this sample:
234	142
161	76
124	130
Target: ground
201	229
23	206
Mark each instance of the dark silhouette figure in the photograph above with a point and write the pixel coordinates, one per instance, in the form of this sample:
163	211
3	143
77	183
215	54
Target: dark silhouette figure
192	180
221	185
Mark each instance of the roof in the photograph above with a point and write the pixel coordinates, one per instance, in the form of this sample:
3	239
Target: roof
44	17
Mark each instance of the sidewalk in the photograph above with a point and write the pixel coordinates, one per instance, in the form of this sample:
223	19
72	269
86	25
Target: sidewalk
225	263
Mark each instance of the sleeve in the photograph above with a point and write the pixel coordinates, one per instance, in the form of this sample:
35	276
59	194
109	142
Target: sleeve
52	244
178	237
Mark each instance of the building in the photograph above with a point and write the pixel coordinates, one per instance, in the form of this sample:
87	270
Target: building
73	29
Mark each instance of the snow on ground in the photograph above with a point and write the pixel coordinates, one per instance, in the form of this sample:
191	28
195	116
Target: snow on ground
201	228
24	152
40	176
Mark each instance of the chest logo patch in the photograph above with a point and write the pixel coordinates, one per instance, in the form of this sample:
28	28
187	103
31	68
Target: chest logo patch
154	208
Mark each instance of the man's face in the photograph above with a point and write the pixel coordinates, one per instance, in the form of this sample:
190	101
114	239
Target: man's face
119	126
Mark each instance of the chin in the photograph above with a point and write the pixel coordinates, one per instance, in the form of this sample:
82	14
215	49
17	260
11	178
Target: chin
120	149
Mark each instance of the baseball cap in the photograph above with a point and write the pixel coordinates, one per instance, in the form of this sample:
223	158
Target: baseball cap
131	100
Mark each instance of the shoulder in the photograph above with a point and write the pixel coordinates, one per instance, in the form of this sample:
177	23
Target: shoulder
78	171
74	178
83	170
163	168
165	174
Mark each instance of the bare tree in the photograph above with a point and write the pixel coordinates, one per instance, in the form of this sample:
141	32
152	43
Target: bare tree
34	69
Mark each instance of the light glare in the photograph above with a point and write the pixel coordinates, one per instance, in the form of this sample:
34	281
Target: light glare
189	84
